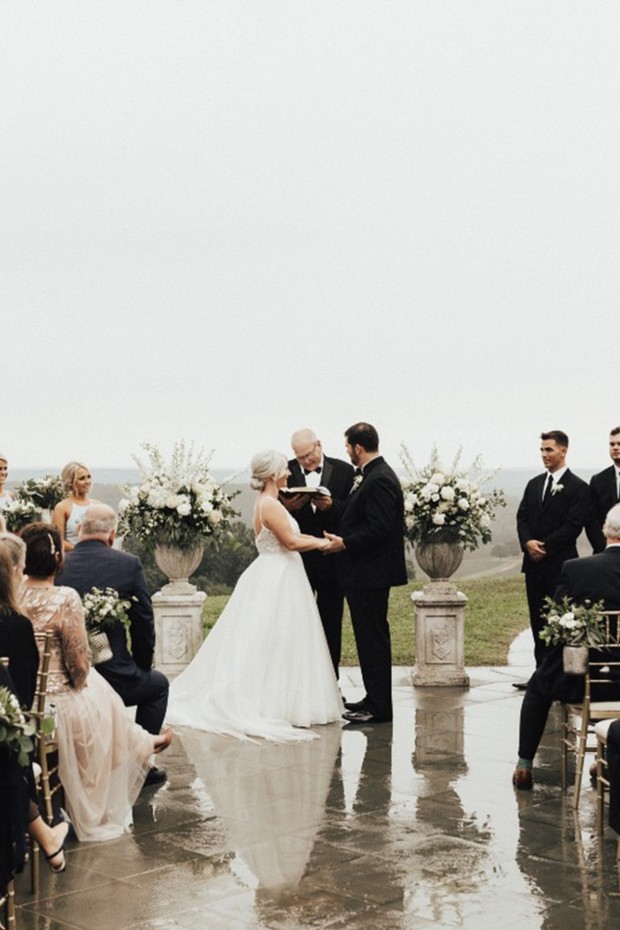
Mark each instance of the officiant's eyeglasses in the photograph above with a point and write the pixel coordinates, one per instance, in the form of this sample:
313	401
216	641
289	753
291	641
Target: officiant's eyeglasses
309	453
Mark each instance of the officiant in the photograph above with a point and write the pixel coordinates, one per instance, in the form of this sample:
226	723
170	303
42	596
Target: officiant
312	468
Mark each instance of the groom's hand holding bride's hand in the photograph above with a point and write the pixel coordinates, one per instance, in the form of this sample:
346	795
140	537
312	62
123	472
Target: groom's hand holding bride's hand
334	543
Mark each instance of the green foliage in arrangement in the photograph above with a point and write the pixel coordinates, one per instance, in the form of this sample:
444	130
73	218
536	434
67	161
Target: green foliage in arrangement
495	615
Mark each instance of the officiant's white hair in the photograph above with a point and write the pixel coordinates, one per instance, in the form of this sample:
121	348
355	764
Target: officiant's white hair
267	464
611	527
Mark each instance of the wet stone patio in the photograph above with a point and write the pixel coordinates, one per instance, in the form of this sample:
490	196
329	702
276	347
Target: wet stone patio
406	825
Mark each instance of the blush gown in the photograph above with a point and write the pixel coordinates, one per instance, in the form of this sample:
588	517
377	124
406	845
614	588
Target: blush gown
265	669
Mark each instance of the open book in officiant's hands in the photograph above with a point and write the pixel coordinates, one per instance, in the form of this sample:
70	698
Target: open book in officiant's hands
308	493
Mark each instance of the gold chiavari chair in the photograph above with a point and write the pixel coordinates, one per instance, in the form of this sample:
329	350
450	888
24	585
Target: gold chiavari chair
578	719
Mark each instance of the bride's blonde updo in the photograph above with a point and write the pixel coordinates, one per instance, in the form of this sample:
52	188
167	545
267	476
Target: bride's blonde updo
267	464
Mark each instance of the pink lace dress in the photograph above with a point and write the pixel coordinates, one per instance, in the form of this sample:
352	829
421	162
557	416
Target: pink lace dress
103	755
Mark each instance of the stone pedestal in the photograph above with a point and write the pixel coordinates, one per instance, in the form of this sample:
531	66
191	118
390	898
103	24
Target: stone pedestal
439	636
178	629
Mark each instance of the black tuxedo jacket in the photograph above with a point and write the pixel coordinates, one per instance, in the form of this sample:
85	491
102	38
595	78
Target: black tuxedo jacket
603	496
558	522
92	564
337	476
371	526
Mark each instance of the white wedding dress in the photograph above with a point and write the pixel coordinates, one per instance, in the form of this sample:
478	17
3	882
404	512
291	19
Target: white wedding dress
265	669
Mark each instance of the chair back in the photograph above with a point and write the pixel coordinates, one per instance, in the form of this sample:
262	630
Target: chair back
44	643
604	662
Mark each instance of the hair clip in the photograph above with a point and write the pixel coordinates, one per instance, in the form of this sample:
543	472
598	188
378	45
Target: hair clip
52	546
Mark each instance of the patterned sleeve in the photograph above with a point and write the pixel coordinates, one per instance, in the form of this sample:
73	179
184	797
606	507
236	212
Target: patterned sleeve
74	641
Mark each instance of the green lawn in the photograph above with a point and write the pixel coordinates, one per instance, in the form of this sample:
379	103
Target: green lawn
495	614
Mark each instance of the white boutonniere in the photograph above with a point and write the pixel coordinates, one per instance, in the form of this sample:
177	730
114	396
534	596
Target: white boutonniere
556	488
356	482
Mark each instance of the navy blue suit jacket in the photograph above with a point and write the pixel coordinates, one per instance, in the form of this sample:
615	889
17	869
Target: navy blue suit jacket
93	564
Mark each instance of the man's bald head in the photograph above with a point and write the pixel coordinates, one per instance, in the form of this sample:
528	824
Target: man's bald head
98	522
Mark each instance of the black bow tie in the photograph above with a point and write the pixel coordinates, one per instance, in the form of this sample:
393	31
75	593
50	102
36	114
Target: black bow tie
310	471
359	471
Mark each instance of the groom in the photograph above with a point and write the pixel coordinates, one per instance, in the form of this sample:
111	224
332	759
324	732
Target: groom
371	560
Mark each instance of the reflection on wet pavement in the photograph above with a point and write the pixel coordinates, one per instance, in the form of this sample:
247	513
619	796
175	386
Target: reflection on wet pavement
410	824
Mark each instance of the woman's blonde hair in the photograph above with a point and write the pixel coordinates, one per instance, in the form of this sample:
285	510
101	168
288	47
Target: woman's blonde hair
12	554
69	474
267	464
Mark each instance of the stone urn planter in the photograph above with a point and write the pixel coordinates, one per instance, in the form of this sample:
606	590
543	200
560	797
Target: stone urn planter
575	660
178	565
439	559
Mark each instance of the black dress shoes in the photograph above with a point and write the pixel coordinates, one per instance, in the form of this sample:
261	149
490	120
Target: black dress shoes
156	776
363	716
355	705
520	685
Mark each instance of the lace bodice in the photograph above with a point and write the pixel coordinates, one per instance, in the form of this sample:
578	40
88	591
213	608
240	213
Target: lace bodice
266	542
60	610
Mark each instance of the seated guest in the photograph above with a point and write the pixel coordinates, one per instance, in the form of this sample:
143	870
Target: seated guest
17	640
594	578
67	515
18	644
613	764
103	756
93	563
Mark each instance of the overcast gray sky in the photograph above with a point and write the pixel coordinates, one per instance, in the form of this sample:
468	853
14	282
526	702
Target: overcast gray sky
222	221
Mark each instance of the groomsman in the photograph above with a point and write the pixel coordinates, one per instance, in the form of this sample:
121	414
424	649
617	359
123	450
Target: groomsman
604	493
550	517
371	560
312	468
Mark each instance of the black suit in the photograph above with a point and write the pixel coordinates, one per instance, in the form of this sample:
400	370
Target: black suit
373	560
557	522
603	496
93	564
613	761
594	578
337	476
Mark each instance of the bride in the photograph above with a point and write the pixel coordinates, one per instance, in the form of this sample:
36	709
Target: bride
264	670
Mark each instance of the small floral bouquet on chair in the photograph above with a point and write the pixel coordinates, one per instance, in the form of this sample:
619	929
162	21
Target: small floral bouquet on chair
576	627
570	624
104	609
16	733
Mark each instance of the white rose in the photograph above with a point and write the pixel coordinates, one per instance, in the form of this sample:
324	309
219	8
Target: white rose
439	519
485	520
184	510
463	503
206	506
214	517
438	478
409	522
447	493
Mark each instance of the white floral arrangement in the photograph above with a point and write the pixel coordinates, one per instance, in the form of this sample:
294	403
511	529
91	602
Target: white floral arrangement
44	492
105	608
178	504
448	506
19	513
570	624
16	733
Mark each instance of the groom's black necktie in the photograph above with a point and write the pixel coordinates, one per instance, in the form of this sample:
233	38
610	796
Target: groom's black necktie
547	490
